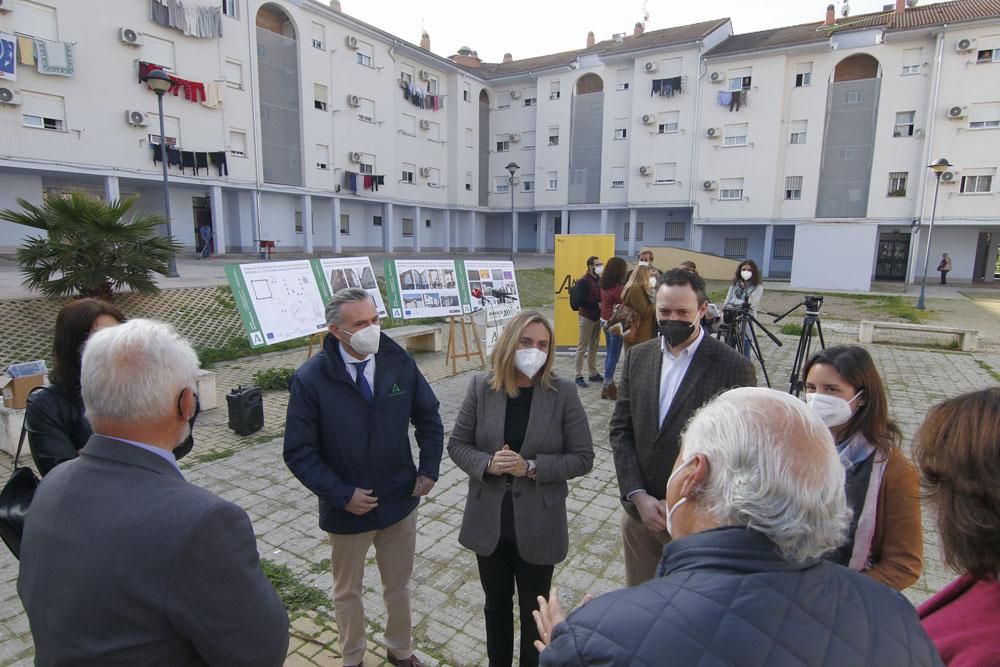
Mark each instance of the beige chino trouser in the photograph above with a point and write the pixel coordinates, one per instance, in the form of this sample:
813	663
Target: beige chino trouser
643	550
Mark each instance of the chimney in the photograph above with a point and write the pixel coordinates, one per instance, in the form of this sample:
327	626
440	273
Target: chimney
335	6
425	41
639	29
830	15
590	39
507	58
466	57
900	6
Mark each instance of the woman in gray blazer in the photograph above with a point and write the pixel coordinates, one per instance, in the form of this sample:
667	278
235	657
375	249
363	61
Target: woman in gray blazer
521	433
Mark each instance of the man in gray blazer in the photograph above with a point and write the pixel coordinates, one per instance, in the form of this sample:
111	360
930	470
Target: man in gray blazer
125	563
664	381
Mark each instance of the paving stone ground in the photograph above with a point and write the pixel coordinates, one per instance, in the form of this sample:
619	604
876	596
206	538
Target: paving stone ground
447	597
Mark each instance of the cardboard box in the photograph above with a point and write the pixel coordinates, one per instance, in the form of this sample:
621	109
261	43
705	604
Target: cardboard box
15	390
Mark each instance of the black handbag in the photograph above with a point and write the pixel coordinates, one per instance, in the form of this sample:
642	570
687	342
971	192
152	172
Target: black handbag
15	500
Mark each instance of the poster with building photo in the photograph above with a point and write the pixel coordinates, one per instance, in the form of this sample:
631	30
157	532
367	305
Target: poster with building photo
342	272
278	301
424	288
493	295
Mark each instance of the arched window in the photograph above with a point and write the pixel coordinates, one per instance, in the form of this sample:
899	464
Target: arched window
856	68
589	83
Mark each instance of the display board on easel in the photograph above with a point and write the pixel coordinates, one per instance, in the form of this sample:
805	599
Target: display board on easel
493	296
419	288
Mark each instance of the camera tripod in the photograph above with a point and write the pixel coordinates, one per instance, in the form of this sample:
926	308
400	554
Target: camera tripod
809	323
742	332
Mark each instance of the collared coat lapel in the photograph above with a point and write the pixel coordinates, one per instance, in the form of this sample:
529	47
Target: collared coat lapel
542	404
692	379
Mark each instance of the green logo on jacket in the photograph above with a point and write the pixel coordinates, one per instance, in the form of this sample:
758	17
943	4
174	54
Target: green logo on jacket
396	391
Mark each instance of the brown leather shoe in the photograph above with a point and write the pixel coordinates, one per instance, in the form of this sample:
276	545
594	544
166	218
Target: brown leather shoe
412	661
613	391
604	391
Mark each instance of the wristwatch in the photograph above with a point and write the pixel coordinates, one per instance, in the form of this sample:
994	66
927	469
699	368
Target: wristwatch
532	469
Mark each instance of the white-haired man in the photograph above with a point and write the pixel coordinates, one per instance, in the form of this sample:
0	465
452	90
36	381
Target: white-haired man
125	563
755	499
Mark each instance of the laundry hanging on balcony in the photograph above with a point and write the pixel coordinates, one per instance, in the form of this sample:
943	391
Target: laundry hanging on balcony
191	18
54	58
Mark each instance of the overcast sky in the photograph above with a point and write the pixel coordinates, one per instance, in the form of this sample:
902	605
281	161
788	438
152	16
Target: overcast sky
528	28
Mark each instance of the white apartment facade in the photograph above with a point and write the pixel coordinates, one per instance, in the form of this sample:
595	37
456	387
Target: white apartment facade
627	136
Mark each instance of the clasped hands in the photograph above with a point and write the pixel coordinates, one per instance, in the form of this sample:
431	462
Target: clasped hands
507	462
362	501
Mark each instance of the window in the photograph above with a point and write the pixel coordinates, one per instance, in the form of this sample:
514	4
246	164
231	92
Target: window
736	135
345	224
171	127
376	221
501	184
433	177
553	135
45	112
984	116
364	54
320	98
674	231
503	143
469	141
793	187
468	181
671	67
432	85
803	74
528	184
734	248
407	172
407	227
322	156
621	129
577	176
231	8
319	36
904	124
528	140
554	90
617	177
366	110
897	183
234	73
466	92
238	143
552	180
530	101
731	189
406	73
988	56
668	121
783	249
408	124
299	229
36	20
638	230
977	184
367	164
797	134
156	50
912	59
853	97
847	154
665	172
740	80
624	79
427	223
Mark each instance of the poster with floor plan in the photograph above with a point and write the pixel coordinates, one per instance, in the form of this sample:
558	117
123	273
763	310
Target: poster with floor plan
342	272
419	288
279	301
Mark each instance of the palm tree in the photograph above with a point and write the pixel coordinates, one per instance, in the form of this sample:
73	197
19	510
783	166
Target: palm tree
91	249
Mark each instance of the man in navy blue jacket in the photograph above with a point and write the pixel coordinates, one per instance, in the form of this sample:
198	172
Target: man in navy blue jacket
347	441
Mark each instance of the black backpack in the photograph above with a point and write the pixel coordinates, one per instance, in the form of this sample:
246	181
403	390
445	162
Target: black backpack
577	294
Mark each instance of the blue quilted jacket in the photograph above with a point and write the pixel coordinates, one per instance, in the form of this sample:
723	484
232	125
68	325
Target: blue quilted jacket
725	597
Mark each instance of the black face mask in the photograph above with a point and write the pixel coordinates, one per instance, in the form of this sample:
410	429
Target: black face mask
676	331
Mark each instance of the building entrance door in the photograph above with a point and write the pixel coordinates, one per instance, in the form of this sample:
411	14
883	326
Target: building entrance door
893	253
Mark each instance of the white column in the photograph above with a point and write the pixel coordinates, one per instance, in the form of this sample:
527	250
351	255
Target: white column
472	231
543	221
565	220
388	228
258	231
111	189
991	261
447	230
418	225
696	237
915	255
604	221
218	218
338	243
633	227
765	270
513	233
307	224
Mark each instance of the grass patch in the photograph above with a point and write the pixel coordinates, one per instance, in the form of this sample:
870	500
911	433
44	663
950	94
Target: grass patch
321	567
901	308
274	378
535	287
295	595
792	328
989	369
216	455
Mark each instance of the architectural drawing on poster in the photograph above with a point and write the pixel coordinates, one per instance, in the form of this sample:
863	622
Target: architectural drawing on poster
343	272
278	301
423	288
493	295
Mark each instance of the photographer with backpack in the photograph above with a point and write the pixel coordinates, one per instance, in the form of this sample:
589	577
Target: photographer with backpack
585	299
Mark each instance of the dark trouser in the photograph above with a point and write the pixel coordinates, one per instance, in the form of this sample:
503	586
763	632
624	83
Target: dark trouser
944	277
498	573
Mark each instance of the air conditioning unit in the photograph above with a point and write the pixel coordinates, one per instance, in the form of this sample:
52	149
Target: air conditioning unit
646	170
708	185
651	67
957	112
137	118
965	45
424	75
649	119
950	176
10	97
353	101
514	137
713	132
129	37
351	42
425	171
425	124
717	77
354	156
515	94
6	6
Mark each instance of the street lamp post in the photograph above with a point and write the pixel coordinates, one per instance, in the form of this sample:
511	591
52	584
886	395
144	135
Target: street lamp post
512	168
938	167
159	82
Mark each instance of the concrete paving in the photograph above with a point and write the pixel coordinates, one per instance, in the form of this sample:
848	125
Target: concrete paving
447	597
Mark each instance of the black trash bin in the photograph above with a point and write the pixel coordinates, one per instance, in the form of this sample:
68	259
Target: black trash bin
246	410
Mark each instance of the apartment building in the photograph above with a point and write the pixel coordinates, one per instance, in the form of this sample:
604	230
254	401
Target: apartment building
802	147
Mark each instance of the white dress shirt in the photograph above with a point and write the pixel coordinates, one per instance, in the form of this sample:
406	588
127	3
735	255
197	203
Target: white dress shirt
674	369
352	370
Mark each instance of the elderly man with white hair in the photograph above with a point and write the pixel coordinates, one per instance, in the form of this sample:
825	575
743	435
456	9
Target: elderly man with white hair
755	499
123	562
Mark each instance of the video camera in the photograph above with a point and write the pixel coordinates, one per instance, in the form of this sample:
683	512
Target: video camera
813	303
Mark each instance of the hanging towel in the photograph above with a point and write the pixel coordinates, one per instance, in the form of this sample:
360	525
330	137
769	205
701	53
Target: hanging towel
173	157
200	162
156	153
220	161
175	14
209	22
8	57
725	98
187	160
26	51
55	58
159	13
213	95
368	182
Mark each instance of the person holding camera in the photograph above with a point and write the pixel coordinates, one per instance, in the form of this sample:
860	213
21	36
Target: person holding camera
744	295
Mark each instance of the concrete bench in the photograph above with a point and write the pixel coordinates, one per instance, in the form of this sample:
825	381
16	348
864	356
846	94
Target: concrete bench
207	397
417	337
966	337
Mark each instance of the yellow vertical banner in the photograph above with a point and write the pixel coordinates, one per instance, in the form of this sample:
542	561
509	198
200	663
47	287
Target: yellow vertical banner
572	251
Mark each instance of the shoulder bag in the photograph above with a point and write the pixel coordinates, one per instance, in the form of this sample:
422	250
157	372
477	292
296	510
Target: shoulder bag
16	498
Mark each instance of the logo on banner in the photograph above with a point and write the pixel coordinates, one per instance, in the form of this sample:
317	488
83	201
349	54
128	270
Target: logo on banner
256	338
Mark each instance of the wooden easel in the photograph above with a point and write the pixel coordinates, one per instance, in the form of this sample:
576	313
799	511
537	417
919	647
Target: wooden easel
453	355
316	338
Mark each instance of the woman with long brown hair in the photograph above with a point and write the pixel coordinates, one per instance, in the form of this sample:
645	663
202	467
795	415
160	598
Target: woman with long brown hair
885	540
520	435
639	296
612	284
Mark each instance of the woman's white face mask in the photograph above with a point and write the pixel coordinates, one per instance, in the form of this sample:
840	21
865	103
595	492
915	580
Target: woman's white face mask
832	410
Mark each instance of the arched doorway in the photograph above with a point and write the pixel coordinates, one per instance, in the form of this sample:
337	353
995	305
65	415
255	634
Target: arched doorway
278	89
586	134
484	148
